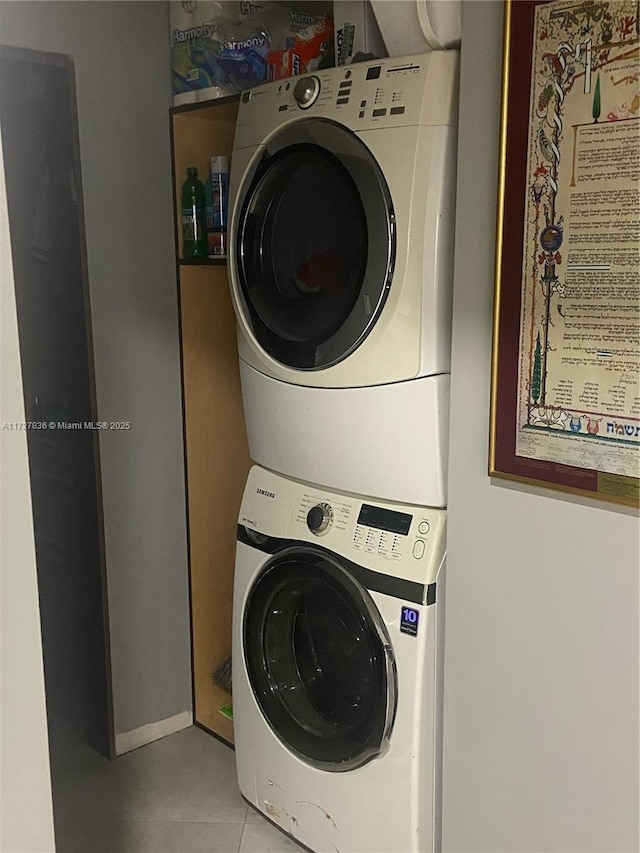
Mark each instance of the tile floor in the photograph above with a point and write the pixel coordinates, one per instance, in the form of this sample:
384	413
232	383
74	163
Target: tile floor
177	795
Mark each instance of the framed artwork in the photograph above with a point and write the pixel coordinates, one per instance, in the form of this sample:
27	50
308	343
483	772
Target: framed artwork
565	398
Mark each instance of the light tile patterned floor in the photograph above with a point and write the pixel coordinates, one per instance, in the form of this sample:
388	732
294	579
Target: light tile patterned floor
177	795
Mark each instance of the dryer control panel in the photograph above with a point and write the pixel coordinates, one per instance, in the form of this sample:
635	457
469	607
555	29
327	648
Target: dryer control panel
405	541
390	92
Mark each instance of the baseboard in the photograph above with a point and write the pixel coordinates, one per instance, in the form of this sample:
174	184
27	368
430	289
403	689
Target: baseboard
126	741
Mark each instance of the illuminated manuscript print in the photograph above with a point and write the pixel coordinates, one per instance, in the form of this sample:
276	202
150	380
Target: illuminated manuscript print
579	361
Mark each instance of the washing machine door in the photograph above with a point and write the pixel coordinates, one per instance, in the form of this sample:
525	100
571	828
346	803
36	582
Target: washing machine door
319	660
314	244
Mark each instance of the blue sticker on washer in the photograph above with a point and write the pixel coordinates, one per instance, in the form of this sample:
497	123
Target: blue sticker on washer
409	620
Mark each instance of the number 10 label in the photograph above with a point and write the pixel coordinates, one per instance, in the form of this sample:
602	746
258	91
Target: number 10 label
409	621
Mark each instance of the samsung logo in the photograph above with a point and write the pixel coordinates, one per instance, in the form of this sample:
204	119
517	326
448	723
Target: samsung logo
265	493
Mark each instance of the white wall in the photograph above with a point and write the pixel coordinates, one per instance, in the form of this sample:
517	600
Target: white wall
121	57
541	696
26	817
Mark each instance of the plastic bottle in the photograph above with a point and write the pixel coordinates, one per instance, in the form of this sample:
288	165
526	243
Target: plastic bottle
193	217
218	198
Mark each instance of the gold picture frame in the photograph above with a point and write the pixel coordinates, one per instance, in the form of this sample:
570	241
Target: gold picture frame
565	406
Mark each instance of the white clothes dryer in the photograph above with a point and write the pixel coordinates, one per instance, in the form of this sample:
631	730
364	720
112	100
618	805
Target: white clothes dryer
337	660
341	232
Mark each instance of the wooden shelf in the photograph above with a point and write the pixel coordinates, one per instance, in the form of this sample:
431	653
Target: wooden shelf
197	134
203	262
199	106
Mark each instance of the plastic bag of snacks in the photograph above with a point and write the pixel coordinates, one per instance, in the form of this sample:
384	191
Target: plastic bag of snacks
217	48
221	47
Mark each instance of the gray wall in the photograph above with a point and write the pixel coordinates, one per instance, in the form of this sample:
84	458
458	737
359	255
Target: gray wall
121	57
541	696
26	817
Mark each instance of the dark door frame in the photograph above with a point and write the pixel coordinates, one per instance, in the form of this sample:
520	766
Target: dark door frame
58	60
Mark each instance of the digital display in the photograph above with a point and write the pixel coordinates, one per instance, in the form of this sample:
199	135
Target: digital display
385	519
401	68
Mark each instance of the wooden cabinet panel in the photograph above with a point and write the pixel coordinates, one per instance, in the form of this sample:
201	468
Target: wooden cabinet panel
216	451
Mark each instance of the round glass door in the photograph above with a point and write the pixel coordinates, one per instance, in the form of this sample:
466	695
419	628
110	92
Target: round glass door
319	660
315	244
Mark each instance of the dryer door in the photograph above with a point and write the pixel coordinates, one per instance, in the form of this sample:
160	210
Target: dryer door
314	244
319	660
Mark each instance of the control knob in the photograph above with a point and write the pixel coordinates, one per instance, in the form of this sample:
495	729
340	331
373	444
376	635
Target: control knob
319	518
306	91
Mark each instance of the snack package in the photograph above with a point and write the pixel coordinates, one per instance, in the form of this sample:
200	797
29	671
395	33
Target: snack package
308	46
281	64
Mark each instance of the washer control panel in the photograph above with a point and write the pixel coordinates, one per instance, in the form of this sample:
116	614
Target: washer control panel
392	535
370	532
391	538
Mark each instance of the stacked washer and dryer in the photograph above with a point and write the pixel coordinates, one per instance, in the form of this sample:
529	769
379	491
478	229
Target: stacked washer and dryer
342	204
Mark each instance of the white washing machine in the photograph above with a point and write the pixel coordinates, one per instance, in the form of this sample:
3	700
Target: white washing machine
341	233
337	659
